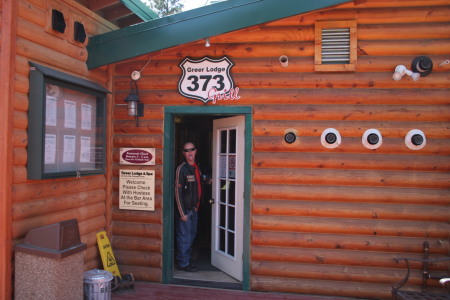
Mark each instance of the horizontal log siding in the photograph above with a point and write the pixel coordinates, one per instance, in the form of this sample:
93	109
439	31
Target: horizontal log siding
323	221
38	203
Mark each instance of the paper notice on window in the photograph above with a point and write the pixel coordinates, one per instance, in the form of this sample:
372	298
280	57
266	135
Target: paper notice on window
223	166
85	149
50	149
50	111
69	149
70	114
86	116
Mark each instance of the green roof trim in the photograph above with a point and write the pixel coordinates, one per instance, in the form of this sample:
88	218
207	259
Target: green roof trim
140	9
192	25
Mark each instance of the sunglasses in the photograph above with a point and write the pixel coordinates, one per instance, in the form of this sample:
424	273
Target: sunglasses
189	150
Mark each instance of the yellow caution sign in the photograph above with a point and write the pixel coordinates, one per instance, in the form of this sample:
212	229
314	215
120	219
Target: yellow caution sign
107	255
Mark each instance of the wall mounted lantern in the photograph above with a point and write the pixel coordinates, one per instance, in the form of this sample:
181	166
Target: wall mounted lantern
135	107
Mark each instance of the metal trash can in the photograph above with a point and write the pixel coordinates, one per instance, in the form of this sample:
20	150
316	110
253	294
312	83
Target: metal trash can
97	284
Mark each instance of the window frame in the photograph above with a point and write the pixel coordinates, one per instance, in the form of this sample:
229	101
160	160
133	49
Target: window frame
40	76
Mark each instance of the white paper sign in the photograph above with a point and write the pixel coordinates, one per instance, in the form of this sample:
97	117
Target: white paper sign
70	114
50	111
50	149
85	149
137	189
86	116
69	149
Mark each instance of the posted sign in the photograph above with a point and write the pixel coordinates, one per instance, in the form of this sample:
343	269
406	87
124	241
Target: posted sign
137	156
137	189
207	79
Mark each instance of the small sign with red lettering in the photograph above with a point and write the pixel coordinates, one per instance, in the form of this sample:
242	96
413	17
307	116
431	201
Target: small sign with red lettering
137	156
207	80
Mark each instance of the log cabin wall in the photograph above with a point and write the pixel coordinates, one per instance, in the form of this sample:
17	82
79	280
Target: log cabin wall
37	203
323	221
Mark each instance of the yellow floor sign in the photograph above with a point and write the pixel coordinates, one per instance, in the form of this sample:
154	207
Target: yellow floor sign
107	255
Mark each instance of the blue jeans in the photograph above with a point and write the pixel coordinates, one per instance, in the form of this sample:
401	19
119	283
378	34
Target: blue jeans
186	232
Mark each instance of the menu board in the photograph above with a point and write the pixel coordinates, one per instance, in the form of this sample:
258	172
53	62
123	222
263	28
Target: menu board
66	125
71	139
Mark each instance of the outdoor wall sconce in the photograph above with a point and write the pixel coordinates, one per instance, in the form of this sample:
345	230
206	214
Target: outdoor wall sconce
422	65
58	22
401	70
135	107
415	139
284	61
330	138
207	43
372	139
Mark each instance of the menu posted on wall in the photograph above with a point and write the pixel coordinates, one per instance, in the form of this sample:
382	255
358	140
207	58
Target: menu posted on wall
137	190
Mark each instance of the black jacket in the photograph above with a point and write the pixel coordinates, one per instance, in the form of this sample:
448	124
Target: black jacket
186	188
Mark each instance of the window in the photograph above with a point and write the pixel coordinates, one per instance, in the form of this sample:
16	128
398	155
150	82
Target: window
66	130
335	48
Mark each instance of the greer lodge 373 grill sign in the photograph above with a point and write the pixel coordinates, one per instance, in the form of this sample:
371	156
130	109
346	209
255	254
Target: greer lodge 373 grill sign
207	79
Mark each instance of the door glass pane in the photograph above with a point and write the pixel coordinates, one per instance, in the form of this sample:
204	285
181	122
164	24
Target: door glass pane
232	141
223	166
223	141
231	212
231	192
222	240
230	248
223	191
222	215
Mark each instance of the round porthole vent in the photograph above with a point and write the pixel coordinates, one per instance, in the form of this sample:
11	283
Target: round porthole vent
330	138
415	139
290	137
372	139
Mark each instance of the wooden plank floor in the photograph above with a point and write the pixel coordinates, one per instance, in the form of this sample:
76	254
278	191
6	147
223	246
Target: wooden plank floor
156	291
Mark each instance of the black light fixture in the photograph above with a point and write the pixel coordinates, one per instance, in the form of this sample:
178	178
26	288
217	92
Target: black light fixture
422	65
135	107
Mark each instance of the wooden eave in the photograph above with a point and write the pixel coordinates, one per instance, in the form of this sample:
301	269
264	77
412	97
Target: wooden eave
121	13
192	25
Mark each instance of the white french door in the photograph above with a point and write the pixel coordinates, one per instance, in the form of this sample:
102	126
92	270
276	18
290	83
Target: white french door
228	195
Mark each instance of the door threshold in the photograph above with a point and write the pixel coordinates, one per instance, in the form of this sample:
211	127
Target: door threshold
207	283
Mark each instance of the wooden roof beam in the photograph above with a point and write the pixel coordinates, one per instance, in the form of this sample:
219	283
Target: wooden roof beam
102	4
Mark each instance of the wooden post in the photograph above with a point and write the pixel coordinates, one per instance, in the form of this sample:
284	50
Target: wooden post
7	63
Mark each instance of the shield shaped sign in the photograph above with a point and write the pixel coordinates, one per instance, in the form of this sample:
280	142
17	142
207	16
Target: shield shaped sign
207	79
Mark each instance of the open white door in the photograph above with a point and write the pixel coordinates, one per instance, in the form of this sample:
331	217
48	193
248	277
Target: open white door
228	195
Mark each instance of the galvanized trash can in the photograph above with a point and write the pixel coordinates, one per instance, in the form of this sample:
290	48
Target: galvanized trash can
97	284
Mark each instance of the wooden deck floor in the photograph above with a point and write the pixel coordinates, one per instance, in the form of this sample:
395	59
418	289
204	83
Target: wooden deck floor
156	291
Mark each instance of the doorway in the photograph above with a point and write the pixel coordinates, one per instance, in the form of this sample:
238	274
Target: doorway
196	124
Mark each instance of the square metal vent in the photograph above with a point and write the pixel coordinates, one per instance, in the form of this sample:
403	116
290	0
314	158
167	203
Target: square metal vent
335	45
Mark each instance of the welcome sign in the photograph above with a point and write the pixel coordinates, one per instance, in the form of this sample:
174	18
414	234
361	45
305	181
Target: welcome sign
207	80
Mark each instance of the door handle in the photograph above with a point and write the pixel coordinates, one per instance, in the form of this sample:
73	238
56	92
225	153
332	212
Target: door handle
211	201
